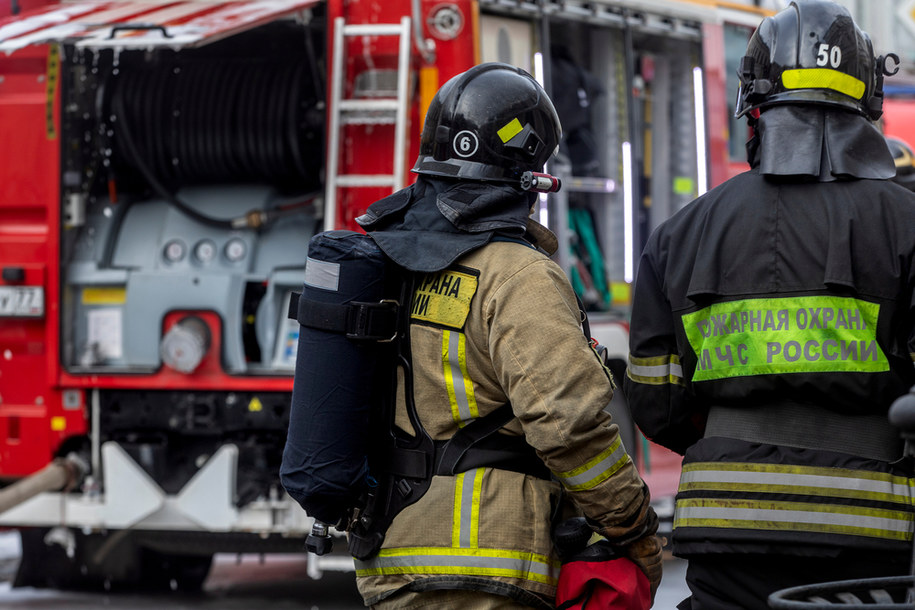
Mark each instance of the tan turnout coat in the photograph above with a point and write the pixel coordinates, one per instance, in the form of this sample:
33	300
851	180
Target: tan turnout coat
503	325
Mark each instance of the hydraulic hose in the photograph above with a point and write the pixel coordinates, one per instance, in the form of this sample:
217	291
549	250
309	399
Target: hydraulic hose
62	473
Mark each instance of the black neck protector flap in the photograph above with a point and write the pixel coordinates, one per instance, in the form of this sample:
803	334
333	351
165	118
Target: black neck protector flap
818	143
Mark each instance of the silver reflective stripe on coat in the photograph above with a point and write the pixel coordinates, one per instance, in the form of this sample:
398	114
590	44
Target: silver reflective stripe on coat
795	499
596	470
457	380
468	562
465	526
657	370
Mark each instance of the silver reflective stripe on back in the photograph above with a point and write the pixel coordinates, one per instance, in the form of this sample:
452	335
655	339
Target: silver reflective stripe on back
321	274
794	499
796	517
439	561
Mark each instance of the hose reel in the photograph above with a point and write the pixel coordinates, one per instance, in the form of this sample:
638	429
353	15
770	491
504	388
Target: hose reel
217	120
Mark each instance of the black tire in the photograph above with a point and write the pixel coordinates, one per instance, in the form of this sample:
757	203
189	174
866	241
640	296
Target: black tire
164	572
112	562
48	566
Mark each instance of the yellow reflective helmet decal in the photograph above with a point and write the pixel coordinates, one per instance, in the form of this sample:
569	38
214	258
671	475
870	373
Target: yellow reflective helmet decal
823	78
510	130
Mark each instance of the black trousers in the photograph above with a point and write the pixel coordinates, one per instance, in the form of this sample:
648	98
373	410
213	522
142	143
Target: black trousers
744	582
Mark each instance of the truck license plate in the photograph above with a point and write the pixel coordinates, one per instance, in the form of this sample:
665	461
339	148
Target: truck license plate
21	301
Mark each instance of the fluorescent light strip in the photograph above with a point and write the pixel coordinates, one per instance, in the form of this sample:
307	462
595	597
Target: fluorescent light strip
699	101
543	212
628	216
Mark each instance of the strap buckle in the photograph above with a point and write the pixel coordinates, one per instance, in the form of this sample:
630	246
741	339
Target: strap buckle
372	321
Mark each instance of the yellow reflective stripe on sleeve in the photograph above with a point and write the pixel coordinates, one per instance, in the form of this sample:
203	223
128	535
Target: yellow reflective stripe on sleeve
467	562
596	470
823	78
465	527
731	513
457	381
796	480
658	370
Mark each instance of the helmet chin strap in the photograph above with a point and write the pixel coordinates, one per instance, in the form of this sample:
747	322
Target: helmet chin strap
539	182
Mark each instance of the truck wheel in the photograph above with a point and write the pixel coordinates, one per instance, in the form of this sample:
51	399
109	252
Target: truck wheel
163	572
48	566
124	565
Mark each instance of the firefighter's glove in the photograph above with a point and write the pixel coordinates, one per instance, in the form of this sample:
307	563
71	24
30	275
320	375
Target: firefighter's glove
646	553
636	538
643	523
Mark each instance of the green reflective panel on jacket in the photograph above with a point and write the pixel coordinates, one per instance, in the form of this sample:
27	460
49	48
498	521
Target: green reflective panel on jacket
809	334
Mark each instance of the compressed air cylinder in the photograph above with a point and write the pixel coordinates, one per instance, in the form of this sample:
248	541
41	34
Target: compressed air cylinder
341	382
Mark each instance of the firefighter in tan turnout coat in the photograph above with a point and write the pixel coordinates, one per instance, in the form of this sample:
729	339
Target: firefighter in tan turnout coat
495	322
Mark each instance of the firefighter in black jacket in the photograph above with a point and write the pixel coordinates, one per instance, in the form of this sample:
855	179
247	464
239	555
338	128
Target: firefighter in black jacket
773	325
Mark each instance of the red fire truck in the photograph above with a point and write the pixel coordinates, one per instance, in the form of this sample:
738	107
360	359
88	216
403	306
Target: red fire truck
162	167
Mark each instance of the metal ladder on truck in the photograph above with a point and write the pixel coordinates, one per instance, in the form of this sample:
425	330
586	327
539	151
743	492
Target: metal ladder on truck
345	111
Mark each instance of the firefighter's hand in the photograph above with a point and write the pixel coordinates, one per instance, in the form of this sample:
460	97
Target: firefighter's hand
646	553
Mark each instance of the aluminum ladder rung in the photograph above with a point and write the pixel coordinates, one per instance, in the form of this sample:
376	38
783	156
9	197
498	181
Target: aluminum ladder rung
367	119
365	180
388	105
366	111
372	29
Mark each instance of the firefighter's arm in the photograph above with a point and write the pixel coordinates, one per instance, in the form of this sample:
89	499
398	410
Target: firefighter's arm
654	385
559	389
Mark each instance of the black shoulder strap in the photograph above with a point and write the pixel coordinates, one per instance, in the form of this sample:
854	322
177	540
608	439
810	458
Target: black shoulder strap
585	325
477	444
357	320
457	447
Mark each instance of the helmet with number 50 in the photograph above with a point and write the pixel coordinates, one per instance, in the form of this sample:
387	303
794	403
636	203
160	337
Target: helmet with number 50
491	123
811	53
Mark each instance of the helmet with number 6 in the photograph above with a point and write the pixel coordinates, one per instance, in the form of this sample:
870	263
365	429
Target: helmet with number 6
491	123
811	53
